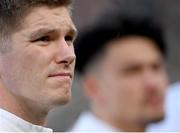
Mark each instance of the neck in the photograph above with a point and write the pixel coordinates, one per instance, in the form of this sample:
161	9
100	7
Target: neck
121	125
22	109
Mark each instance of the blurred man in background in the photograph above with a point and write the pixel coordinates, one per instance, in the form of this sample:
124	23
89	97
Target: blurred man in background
122	66
36	61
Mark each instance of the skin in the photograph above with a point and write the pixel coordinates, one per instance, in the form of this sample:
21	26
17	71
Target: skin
128	89
37	73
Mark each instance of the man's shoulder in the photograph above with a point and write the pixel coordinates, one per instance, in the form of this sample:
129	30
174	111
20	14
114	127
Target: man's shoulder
88	122
82	123
12	123
5	124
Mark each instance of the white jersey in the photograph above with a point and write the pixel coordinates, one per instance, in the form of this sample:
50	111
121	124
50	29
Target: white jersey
11	123
88	122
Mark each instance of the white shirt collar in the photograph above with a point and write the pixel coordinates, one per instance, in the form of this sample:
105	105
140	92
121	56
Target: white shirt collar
88	122
12	123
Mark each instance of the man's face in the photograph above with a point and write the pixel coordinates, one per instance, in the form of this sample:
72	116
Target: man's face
133	80
39	68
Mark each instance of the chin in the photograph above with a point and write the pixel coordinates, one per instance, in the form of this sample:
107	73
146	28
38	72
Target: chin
60	97
158	119
65	100
62	100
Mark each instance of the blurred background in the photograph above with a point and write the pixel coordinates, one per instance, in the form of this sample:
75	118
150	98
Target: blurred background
86	12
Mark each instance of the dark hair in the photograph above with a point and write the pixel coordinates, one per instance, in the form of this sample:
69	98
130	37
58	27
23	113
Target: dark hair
12	13
94	39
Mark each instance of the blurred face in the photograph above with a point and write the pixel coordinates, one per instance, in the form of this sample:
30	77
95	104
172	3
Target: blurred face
39	67
133	80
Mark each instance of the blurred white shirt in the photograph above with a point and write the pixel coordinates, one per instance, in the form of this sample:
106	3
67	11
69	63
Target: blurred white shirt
11	123
88	122
172	109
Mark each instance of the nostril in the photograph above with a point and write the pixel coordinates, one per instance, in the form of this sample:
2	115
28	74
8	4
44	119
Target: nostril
66	61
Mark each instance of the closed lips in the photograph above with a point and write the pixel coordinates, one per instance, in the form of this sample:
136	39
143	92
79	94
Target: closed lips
61	74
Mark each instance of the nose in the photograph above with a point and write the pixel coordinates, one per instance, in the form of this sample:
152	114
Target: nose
150	80
65	53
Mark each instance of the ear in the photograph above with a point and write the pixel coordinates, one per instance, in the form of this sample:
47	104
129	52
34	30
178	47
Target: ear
92	88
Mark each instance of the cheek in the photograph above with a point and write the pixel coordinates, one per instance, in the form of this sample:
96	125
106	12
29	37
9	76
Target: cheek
36	64
129	92
164	81
25	68
37	57
15	74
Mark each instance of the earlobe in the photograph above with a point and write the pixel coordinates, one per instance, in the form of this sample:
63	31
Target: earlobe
92	88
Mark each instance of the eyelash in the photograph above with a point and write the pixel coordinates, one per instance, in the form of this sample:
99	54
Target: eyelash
68	38
43	39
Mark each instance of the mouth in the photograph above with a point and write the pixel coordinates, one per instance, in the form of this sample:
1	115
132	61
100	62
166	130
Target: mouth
154	101
61	75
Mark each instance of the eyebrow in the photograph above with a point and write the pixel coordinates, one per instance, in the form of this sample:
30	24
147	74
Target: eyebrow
41	31
135	64
73	31
44	31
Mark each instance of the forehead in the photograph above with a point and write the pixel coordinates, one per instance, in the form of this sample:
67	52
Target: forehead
46	17
132	49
